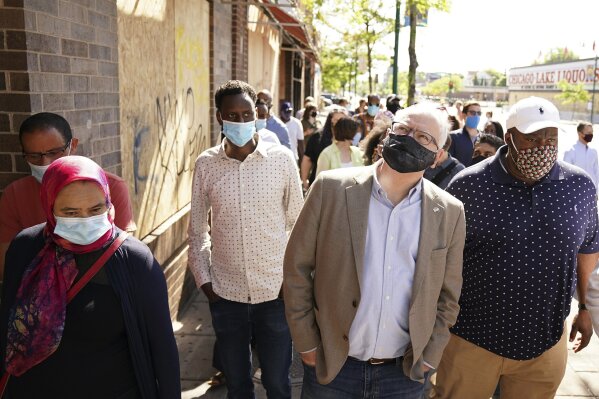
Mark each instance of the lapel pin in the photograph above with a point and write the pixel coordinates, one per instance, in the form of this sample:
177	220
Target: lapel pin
435	209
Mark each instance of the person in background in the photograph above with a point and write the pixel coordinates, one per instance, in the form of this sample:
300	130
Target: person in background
447	167
307	101
309	121
494	128
114	339
341	153
374	142
459	105
251	190
261	118
273	123
46	137
583	156
361	107
462	141
295	129
486	146
344	102
528	247
366	119
454	124
318	142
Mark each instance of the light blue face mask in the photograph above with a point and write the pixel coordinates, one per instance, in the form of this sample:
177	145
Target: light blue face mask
356	140
239	133
82	231
472	121
260	124
373	110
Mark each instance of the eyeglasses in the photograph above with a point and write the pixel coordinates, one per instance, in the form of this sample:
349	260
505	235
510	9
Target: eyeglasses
52	154
423	138
474	113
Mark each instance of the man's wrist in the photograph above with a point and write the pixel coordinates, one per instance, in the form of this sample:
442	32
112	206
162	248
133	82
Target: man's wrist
582	306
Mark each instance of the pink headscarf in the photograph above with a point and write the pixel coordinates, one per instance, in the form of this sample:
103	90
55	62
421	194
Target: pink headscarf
36	321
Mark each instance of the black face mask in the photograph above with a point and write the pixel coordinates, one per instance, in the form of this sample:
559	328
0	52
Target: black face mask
588	138
393	108
477	159
404	155
313	114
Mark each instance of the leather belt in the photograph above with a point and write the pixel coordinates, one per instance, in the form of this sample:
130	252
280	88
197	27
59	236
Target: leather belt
376	362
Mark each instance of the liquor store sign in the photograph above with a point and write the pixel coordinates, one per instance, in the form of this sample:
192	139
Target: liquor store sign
546	77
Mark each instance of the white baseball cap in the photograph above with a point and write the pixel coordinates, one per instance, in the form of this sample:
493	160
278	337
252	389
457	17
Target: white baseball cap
531	114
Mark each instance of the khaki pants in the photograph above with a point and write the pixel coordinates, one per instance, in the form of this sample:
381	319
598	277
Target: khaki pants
468	371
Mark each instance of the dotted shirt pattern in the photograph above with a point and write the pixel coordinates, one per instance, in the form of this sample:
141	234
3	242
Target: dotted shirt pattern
520	254
252	205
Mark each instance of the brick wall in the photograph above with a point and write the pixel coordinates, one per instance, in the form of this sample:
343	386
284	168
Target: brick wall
59	56
239	39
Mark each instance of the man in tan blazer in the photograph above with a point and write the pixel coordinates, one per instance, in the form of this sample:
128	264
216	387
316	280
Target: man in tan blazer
373	269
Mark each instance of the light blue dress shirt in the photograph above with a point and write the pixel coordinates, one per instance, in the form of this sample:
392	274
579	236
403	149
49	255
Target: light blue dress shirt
585	158
279	128
380	329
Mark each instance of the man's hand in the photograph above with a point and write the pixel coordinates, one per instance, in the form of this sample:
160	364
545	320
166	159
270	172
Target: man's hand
582	323
210	294
425	368
309	358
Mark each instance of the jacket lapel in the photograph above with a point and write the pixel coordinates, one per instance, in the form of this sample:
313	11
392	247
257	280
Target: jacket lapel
432	214
358	200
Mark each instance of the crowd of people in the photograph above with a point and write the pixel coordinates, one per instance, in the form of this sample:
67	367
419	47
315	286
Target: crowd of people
403	252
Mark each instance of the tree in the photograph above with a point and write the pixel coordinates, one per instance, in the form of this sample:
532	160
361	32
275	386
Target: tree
572	94
558	54
498	78
336	70
443	86
416	8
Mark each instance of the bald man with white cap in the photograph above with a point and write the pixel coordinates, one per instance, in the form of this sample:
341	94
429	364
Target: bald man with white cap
531	240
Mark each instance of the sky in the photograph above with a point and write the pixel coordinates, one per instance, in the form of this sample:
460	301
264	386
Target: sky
499	34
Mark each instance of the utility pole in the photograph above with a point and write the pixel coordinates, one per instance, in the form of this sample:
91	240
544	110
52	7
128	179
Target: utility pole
396	54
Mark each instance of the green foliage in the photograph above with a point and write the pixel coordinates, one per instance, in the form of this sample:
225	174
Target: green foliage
441	87
572	94
498	78
336	70
557	54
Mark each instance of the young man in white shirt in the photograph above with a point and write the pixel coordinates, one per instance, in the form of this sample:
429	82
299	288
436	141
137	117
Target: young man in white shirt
296	130
252	190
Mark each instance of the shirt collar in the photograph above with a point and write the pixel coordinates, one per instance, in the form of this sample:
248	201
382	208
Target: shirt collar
261	147
500	175
379	194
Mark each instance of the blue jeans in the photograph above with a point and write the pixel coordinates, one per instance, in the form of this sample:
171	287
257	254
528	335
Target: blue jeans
235	324
361	380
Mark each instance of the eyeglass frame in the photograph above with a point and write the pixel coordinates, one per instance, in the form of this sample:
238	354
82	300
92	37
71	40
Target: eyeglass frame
410	132
471	112
51	154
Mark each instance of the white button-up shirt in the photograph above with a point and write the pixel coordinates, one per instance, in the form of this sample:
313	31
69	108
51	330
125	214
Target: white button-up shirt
380	328
585	158
253	204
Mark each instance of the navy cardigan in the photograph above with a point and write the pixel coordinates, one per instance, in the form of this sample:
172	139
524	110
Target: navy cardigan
139	283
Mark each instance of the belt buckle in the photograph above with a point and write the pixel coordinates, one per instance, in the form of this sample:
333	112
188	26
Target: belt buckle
376	362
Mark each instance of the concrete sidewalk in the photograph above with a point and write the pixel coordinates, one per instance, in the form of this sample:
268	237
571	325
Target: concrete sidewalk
195	338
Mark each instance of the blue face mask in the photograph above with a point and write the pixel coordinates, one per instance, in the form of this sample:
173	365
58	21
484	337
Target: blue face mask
260	124
472	121
373	110
356	140
239	133
82	231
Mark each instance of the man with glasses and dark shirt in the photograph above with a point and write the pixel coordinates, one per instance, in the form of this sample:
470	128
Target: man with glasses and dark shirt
532	238
462	141
44	138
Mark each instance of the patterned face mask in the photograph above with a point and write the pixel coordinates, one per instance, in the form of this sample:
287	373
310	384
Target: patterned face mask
535	163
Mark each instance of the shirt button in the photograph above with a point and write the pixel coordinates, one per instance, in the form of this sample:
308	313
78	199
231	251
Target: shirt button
388	267
391	238
345	338
387	297
354	303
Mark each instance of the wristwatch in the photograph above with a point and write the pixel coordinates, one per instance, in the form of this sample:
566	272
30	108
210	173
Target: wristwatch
582	306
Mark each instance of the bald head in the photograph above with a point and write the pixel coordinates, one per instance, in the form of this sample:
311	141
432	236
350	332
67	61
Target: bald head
426	117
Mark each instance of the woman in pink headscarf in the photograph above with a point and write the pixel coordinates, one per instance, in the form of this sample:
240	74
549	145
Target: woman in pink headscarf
114	339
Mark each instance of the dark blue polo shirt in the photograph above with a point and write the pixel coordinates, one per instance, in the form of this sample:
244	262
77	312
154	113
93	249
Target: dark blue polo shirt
520	254
461	147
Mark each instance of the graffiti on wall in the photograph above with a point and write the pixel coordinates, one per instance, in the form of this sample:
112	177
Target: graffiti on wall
178	134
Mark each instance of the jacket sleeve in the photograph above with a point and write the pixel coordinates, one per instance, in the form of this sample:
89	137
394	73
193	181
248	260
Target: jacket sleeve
447	305
163	348
299	263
